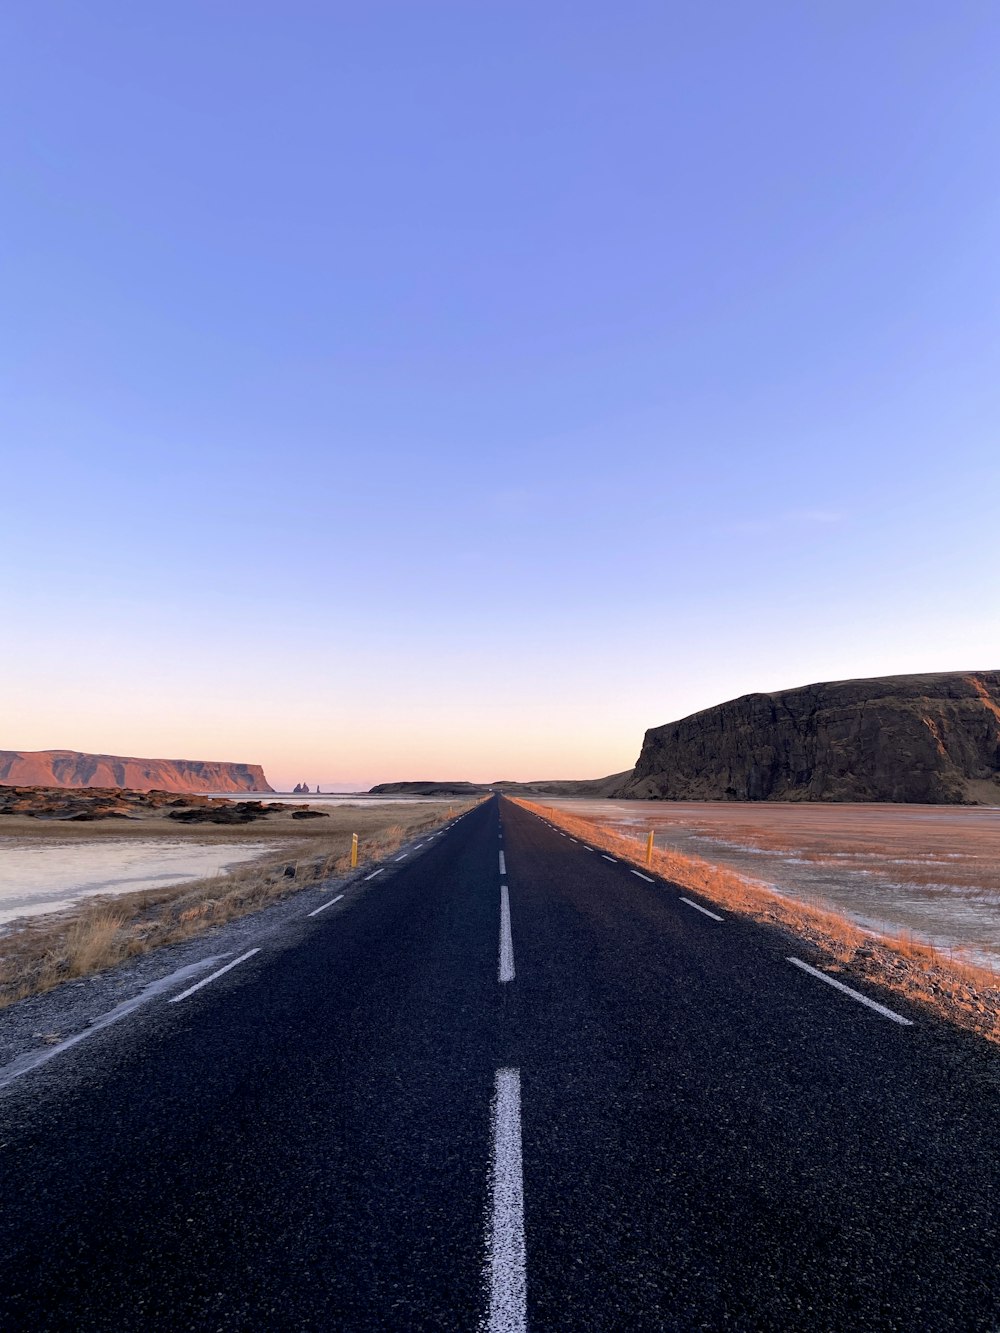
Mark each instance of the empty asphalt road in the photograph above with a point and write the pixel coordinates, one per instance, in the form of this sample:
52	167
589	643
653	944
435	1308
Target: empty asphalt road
507	1083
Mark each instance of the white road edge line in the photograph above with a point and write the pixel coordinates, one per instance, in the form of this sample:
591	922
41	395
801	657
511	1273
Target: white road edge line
854	994
326	905
503	865
403	857
608	858
30	1060
375	872
175	999
648	878
506	968
586	848
506	1263
698	908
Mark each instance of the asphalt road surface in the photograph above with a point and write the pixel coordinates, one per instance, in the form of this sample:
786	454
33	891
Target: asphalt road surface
507	1083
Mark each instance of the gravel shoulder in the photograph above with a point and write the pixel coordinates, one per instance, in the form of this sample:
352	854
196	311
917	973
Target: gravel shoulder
43	1021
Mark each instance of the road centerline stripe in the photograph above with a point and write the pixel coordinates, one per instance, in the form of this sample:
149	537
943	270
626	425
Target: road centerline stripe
506	966
505	1251
503	864
854	994
326	905
175	999
698	908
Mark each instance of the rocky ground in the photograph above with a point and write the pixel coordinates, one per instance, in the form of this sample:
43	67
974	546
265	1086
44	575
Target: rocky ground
88	804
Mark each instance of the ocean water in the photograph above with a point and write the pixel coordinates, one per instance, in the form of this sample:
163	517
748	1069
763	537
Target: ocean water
46	877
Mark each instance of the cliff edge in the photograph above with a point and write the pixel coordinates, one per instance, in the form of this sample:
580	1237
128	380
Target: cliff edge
72	768
927	738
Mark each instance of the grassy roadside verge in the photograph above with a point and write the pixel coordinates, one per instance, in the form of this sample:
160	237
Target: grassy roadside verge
39	953
966	995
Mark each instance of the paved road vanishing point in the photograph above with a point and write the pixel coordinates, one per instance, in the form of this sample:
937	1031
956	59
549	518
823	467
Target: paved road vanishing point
505	1083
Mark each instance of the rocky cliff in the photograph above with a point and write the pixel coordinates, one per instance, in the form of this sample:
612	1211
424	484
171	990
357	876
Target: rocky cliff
71	768
933	738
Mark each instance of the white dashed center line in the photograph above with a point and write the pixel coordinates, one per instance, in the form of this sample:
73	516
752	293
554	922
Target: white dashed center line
175	999
505	1254
503	865
854	994
506	969
326	905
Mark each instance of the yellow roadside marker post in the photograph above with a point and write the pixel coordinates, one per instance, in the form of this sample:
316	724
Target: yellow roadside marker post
649	848
354	851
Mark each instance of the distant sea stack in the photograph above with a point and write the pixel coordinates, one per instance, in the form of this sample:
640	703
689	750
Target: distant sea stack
71	768
932	739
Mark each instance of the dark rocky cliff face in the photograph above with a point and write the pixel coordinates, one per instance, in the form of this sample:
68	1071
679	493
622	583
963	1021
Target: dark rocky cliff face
72	768
933	738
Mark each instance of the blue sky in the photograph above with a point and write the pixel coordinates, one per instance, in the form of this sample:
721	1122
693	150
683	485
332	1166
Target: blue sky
401	390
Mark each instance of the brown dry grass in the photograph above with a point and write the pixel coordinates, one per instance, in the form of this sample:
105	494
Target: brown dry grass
41	952
959	991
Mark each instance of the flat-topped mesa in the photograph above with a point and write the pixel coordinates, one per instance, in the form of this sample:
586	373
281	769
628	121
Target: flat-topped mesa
924	738
72	768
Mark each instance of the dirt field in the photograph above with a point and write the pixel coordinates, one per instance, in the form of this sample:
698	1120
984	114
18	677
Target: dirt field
155	815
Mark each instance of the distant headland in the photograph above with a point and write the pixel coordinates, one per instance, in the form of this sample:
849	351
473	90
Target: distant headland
932	738
555	787
73	768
